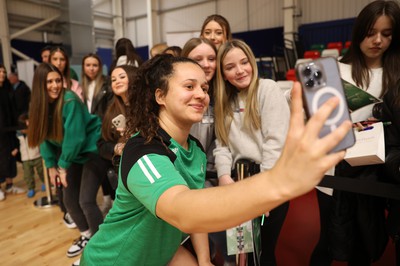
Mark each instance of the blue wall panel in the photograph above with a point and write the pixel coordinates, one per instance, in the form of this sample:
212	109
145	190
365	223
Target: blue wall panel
263	42
325	32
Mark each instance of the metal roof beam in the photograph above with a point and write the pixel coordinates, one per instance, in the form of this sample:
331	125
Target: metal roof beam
33	27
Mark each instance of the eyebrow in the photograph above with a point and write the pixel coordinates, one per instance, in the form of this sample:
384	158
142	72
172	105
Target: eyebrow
195	80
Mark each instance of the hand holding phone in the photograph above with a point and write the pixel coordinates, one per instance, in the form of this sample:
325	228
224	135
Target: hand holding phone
320	80
119	121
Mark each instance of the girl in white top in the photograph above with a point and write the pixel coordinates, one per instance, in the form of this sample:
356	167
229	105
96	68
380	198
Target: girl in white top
252	118
371	64
373	57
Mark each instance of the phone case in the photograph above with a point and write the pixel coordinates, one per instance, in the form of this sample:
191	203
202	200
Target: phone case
320	80
119	121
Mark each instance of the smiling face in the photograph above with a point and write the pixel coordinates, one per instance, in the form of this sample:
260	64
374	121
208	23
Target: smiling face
91	67
53	85
377	41
59	61
215	32
236	69
120	83
187	98
205	55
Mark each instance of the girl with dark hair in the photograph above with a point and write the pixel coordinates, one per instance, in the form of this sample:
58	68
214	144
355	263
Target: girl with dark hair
122	79
371	63
125	54
67	135
59	58
112	142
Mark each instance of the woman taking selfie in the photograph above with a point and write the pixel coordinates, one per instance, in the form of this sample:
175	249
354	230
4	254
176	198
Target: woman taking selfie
162	172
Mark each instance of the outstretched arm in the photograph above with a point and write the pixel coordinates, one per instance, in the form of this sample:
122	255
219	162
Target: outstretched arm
302	164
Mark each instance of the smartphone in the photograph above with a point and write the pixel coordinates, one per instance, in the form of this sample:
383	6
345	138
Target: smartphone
320	80
119	121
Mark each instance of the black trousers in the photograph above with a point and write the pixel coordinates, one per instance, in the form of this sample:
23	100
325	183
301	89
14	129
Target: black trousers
270	233
321	255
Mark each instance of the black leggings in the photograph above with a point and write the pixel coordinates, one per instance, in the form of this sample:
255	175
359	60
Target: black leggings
80	195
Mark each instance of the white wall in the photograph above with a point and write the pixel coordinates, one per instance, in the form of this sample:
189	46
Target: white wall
174	16
317	11
243	15
136	22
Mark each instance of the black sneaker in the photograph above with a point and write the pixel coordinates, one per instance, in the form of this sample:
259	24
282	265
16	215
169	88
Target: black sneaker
68	221
77	247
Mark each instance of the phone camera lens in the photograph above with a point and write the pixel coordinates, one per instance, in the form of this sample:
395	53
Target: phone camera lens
318	74
310	83
307	71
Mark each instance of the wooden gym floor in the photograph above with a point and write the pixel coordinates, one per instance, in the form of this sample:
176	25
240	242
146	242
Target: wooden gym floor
37	236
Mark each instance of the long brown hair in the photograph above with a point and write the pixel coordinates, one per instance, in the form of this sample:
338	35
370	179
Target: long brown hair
391	58
66	73
99	79
117	106
44	122
222	21
124	46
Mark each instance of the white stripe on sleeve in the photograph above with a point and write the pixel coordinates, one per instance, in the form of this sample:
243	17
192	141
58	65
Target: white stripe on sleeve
146	173
151	166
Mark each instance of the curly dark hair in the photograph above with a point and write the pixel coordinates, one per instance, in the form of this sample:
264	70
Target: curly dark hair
143	109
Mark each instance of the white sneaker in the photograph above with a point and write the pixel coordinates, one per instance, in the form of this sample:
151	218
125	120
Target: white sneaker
77	262
2	195
15	190
77	247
